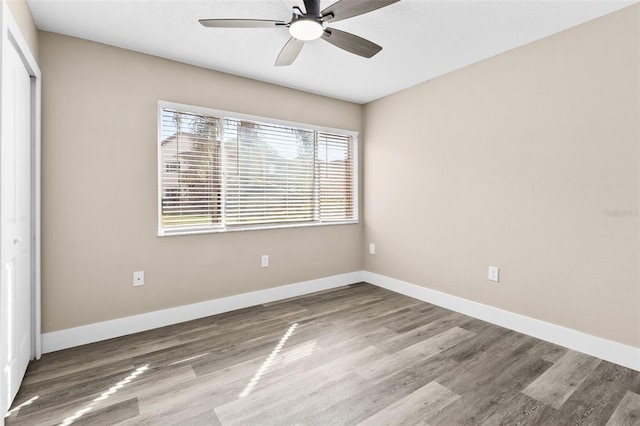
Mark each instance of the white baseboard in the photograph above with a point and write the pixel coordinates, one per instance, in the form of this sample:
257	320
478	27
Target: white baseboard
68	338
618	353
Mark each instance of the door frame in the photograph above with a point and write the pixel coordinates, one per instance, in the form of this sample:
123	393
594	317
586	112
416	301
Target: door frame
11	37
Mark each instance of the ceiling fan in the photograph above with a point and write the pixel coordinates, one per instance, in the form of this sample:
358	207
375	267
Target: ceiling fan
311	25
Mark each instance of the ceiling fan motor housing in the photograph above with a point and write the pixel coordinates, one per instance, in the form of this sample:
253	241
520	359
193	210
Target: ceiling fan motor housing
313	8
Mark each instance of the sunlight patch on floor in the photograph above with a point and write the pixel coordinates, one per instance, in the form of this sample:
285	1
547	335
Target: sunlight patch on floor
15	410
268	362
69	420
191	358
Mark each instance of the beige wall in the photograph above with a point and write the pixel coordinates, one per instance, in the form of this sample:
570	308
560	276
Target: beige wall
99	189
528	161
21	13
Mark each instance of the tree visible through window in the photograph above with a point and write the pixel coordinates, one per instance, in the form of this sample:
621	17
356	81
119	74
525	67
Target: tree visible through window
222	173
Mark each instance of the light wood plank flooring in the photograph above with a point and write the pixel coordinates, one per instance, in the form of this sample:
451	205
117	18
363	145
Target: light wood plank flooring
356	355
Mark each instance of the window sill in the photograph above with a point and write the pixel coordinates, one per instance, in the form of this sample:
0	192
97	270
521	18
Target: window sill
254	228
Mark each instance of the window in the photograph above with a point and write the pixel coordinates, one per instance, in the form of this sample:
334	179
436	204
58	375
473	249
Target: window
221	172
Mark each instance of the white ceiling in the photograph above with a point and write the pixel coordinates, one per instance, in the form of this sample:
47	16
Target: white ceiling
421	39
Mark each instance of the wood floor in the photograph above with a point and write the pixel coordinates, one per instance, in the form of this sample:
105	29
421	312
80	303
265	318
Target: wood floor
354	355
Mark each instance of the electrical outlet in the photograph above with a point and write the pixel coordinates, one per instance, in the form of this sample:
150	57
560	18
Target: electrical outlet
494	273
138	278
372	248
265	261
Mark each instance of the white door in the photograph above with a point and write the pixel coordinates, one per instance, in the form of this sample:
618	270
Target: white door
15	222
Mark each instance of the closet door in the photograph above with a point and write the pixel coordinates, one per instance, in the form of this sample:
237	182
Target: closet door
15	222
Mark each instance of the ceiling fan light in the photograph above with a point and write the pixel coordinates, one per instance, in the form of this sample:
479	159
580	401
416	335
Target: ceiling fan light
306	29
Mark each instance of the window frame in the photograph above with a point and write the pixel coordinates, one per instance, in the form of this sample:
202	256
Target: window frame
260	119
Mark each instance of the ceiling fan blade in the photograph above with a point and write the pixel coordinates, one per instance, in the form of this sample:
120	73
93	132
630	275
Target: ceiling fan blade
289	52
240	23
351	43
344	9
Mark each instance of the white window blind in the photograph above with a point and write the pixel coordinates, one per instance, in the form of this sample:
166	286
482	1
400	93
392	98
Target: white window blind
334	170
220	173
190	179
